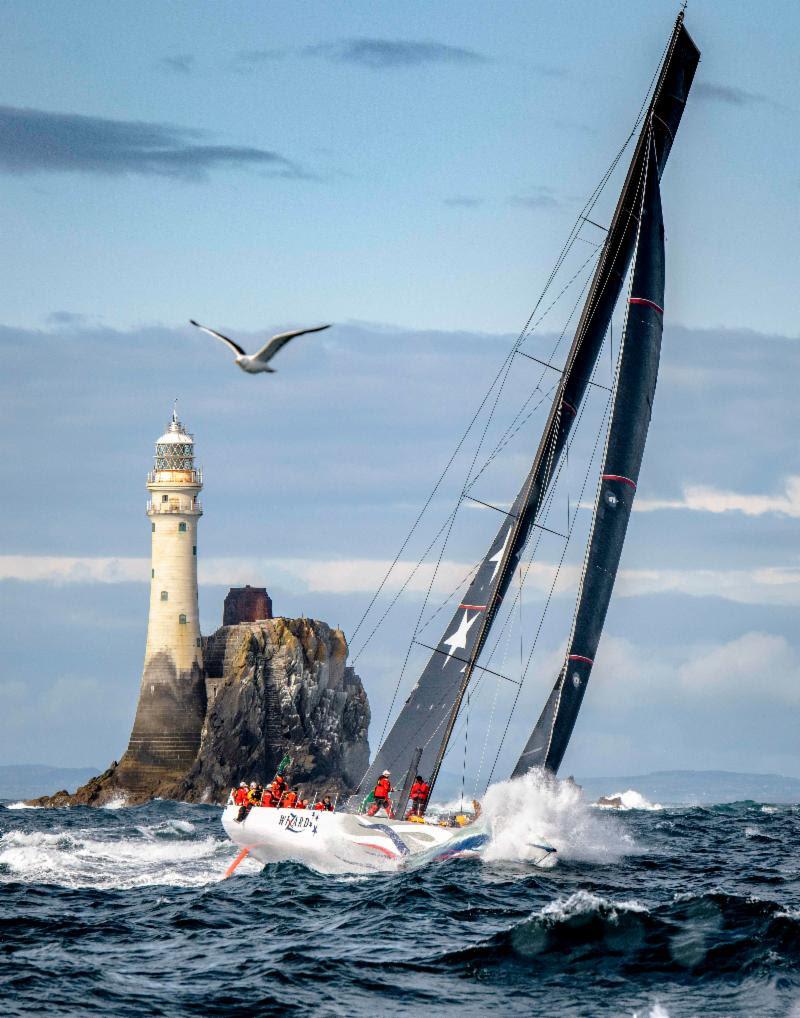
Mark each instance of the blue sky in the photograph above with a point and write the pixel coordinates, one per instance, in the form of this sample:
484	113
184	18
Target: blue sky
410	175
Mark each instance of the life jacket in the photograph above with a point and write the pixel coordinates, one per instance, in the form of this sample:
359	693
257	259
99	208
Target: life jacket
382	788
328	808
289	800
420	791
267	799
240	796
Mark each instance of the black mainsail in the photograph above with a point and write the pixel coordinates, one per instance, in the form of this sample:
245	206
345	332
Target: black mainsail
637	374
422	730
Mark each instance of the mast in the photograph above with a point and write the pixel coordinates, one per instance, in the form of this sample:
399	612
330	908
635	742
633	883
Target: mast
430	712
637	375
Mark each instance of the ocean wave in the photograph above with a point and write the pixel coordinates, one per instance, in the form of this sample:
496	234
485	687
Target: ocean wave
21	805
714	934
527	811
631	799
85	859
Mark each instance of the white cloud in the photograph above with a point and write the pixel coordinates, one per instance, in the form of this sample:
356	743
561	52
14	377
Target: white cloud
754	666
766	585
698	498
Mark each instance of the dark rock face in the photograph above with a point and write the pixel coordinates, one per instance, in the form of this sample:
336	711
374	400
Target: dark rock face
246	604
276	687
273	687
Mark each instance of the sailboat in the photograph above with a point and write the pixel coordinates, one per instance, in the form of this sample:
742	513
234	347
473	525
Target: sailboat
633	249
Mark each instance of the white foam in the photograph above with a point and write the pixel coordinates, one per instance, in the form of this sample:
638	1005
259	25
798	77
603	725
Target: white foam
631	799
585	903
22	805
120	802
656	1011
526	811
83	859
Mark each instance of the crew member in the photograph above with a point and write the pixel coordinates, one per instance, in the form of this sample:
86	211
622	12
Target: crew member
381	796
289	799
253	795
240	800
418	797
279	786
301	803
268	799
324	804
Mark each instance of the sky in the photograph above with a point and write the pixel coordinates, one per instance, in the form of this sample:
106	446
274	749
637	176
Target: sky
409	174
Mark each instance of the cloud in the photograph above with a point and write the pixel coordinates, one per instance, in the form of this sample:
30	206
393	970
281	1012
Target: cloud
730	95
67	318
767	585
246	59
37	141
383	54
704	499
181	63
462	201
726	671
537	198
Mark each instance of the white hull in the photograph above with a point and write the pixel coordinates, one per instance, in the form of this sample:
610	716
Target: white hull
345	842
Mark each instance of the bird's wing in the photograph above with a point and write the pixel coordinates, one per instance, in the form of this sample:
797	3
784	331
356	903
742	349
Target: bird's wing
268	351
229	342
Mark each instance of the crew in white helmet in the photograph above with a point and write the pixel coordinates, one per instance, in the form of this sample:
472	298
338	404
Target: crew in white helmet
383	788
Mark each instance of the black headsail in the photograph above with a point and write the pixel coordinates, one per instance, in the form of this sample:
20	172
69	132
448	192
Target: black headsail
637	374
424	726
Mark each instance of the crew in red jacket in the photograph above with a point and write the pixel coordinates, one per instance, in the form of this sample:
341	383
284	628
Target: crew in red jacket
418	797
381	796
324	804
241	799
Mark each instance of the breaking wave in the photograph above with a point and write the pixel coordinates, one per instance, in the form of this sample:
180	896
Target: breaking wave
166	853
528	811
631	799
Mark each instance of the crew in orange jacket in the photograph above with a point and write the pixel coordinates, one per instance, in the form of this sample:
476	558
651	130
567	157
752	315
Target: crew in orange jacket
325	804
381	796
418	797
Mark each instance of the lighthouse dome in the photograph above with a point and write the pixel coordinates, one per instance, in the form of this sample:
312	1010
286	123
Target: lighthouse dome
175	448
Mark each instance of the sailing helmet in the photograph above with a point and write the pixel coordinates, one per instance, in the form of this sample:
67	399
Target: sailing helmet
242	784
386	774
252	784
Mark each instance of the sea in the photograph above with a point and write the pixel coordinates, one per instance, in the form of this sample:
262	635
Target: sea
652	910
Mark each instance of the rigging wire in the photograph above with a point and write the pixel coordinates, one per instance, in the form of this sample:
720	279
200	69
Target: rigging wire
501	377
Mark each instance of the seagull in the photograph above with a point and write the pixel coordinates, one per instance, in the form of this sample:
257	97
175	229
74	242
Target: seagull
255	362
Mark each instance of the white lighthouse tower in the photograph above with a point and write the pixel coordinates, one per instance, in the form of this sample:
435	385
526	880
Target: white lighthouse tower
169	717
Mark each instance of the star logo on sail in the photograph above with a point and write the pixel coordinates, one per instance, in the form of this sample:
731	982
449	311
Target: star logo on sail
458	639
497	558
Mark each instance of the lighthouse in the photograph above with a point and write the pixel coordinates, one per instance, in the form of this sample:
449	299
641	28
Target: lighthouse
172	697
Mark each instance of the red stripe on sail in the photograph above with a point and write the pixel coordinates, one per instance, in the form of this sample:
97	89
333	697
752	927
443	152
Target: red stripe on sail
580	657
473	607
619	477
647	303
570	407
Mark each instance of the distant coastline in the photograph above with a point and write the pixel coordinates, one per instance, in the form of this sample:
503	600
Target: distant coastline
698	787
25	781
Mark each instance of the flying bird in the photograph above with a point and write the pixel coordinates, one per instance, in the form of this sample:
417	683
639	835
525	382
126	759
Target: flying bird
256	362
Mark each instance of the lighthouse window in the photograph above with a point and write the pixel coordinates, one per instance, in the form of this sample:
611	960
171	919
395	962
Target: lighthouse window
164	595
153	527
152	574
194	549
197	641
165	498
182	620
182	528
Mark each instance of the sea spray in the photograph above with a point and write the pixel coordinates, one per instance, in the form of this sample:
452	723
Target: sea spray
525	812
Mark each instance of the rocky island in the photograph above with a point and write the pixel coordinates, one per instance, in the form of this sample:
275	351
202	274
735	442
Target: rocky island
272	687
